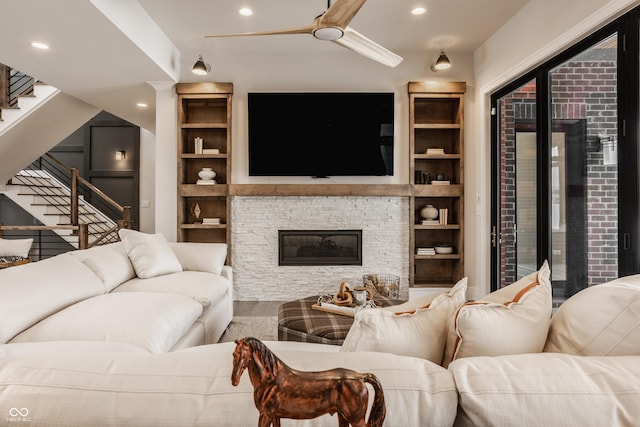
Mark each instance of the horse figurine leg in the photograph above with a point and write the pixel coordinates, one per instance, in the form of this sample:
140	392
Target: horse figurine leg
265	421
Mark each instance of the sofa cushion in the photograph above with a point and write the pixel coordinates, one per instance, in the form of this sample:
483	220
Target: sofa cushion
194	388
511	320
602	320
207	257
15	247
150	254
31	292
548	389
109	262
407	329
201	287
149	320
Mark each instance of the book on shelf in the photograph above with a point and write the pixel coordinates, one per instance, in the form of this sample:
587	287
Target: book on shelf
434	182
212	221
444	216
210	151
435	152
206	182
430	222
198	142
426	251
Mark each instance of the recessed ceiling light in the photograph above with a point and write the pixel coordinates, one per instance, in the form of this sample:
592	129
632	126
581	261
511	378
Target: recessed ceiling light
245	11
39	45
142	104
418	10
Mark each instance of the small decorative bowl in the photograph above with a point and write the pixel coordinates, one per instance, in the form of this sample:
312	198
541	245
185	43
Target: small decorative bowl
443	249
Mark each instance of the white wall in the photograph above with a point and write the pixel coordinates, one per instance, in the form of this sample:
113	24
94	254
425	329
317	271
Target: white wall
542	29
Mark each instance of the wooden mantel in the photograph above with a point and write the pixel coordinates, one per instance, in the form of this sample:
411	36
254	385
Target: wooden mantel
373	190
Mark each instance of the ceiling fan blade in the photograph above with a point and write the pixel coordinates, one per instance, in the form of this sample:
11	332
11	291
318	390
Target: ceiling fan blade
308	29
360	44
341	12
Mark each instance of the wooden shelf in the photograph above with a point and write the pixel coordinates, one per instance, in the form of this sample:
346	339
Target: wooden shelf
436	123
195	190
392	190
201	226
204	126
204	112
430	190
439	256
203	156
437	227
437	157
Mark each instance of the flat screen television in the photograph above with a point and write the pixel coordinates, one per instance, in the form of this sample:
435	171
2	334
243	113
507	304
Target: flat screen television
320	134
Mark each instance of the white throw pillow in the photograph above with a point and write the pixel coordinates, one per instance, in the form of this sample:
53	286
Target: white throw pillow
15	247
418	332
109	262
150	254
207	257
602	320
511	320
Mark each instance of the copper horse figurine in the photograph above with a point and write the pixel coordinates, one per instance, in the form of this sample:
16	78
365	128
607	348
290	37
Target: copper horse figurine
282	392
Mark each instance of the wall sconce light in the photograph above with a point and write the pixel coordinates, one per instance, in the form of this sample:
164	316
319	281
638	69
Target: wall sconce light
120	155
442	63
201	68
609	150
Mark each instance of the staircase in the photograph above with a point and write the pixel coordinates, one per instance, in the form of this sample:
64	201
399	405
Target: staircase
35	117
50	202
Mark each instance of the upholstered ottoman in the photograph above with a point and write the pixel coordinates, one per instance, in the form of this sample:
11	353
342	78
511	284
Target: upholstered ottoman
297	321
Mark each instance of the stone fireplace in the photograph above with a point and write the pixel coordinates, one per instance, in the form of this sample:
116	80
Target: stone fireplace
256	221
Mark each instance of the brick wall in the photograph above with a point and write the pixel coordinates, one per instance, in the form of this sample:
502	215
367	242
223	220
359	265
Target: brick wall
384	222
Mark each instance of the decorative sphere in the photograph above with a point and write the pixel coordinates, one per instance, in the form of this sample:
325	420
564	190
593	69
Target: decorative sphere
207	174
429	212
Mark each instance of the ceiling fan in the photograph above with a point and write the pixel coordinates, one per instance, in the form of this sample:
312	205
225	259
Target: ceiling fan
333	25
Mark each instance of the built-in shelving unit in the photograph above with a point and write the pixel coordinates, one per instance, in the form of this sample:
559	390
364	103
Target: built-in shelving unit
436	132
204	111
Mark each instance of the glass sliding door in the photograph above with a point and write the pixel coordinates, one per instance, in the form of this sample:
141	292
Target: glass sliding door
555	177
515	232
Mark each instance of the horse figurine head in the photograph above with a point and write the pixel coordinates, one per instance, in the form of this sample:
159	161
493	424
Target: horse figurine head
283	392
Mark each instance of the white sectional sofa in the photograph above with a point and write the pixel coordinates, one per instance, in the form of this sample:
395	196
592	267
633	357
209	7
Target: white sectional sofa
442	361
140	292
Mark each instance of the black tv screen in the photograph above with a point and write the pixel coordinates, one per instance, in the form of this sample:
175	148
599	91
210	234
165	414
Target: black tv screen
320	134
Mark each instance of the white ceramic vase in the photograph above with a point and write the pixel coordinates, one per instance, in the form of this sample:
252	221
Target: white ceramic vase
207	174
429	212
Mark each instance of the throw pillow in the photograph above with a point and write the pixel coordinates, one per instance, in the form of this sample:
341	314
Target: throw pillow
109	262
15	247
150	254
511	320
207	257
601	320
408	331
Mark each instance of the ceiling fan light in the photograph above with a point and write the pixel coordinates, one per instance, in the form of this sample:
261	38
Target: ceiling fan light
442	63
200	67
328	33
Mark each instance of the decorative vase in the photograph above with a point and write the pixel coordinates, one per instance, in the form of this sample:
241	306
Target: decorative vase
429	212
207	174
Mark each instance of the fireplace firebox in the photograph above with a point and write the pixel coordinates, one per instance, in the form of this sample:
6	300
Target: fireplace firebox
319	247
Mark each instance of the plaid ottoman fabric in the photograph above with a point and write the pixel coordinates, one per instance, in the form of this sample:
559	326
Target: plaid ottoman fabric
297	321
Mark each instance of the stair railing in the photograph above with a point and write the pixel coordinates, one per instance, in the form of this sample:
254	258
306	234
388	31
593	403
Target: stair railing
13	83
81	188
38	249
